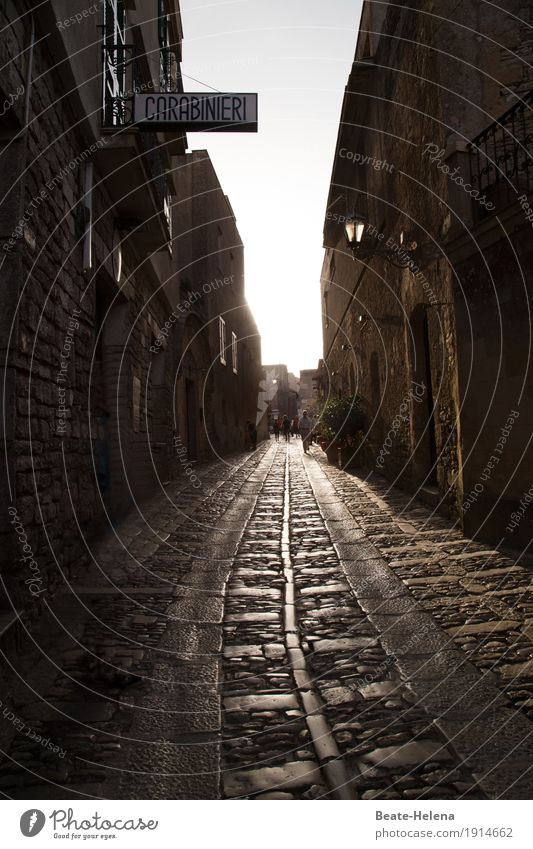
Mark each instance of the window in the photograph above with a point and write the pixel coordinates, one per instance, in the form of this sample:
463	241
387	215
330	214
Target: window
222	339
115	61
326	310
234	352
165	53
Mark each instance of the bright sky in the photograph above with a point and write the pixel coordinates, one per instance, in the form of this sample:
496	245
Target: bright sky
297	55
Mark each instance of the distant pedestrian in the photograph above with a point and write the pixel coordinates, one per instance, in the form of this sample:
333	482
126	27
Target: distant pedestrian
286	428
306	426
275	429
295	428
252	433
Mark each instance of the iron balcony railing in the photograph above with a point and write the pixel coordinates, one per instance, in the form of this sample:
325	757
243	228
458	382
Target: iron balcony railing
121	83
502	157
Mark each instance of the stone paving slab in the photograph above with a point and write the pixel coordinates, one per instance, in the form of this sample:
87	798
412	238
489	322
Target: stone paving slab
294	632
492	737
170	771
350	697
156	676
300	775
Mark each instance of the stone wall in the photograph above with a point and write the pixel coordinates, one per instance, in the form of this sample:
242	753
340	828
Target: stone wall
214	273
421	85
494	291
82	400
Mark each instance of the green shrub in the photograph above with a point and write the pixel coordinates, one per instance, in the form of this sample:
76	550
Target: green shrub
341	418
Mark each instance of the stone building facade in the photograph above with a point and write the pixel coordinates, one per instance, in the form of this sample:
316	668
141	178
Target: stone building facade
429	319
308	395
280	394
88	262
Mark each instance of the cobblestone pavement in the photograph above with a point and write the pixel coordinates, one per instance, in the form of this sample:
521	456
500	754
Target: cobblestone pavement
287	631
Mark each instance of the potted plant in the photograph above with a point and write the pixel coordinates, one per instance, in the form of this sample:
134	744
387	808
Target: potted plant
342	423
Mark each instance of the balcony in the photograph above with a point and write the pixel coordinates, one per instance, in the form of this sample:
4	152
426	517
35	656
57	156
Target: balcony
134	175
133	163
501	158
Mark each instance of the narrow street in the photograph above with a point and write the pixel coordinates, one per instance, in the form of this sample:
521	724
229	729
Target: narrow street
296	632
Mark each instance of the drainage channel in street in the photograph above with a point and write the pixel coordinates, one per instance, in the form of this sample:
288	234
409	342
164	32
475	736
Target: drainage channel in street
313	705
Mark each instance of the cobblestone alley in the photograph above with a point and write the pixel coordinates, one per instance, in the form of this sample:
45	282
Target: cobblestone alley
297	632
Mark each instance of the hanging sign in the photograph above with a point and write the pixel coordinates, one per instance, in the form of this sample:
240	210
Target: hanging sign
199	111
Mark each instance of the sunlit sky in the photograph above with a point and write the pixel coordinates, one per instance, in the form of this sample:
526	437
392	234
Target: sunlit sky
297	55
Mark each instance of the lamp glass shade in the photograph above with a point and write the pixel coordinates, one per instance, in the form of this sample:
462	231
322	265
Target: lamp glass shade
354	228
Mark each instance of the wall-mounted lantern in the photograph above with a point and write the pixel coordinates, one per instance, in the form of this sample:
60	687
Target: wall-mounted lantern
366	242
